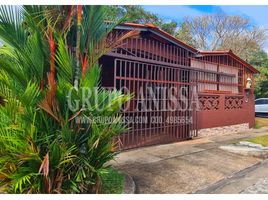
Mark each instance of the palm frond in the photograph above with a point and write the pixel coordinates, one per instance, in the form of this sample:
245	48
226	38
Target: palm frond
30	95
11	29
10	64
91	79
64	61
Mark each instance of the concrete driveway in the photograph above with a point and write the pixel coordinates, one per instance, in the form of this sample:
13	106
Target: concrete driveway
185	167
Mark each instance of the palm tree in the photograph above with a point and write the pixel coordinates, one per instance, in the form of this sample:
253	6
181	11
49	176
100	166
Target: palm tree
48	62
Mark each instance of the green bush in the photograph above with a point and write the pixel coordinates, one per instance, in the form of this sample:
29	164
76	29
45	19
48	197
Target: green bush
113	182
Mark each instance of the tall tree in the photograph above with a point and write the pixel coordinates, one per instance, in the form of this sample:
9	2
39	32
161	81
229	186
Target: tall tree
137	14
259	58
221	31
184	34
261	82
169	27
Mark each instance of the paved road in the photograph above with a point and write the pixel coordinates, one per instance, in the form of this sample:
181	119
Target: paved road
196	166
260	187
252	180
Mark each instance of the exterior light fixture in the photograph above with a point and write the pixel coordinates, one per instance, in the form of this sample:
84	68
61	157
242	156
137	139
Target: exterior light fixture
248	88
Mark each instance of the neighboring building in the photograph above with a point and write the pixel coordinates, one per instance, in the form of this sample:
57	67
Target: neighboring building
218	80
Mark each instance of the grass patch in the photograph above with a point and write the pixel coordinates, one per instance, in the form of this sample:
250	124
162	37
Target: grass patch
113	182
260	122
257	126
263	140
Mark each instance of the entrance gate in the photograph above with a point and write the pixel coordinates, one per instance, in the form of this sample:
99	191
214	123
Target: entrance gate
163	107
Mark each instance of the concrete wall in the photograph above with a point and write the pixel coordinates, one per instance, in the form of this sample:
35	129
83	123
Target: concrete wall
215	111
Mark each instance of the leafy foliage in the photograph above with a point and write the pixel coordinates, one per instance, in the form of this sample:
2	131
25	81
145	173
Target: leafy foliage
113	182
137	14
259	59
261	83
45	147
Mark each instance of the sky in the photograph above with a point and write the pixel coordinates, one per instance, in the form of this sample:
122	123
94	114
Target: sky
257	14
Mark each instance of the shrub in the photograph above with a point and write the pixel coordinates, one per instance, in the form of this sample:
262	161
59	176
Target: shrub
44	145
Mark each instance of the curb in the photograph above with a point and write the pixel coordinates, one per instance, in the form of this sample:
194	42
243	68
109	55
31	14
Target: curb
229	179
246	151
130	185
